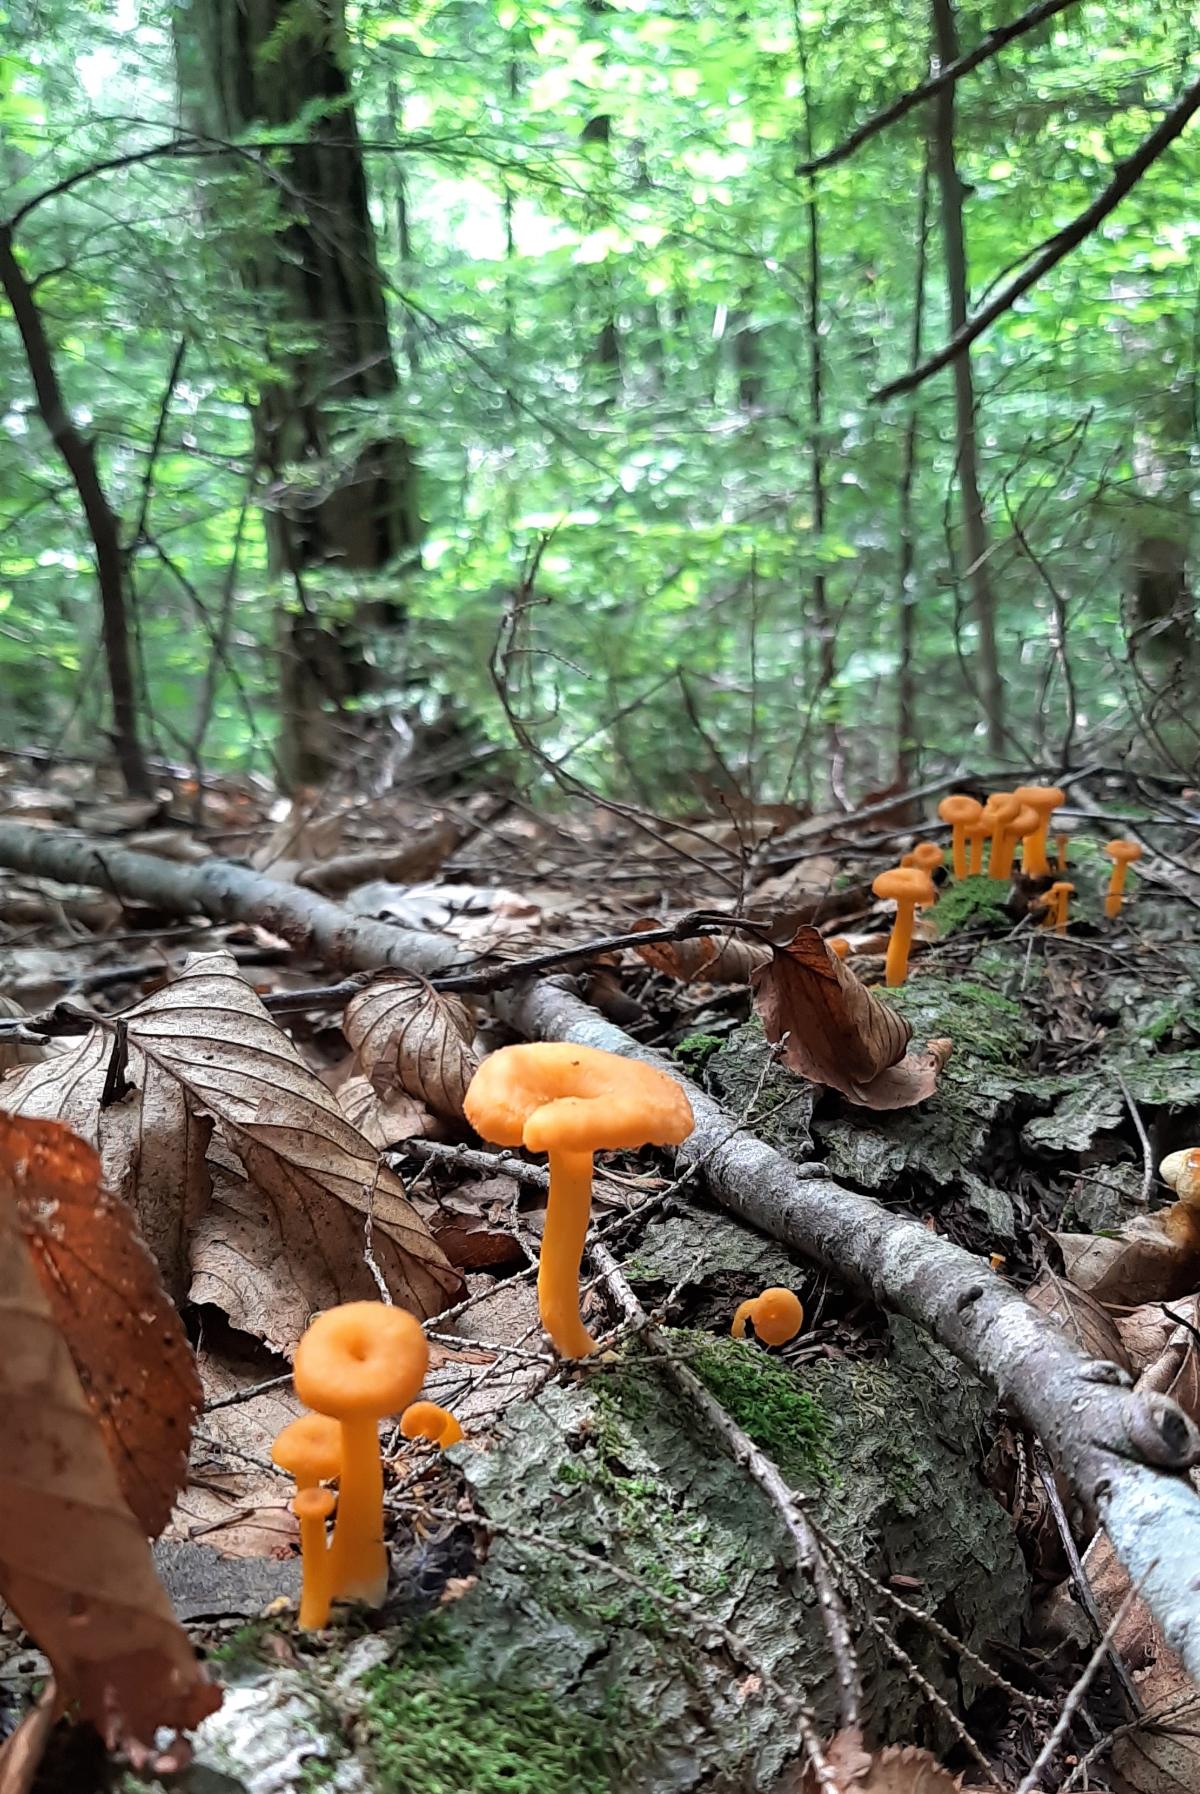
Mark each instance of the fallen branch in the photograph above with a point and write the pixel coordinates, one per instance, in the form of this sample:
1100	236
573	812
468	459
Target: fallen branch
1123	1453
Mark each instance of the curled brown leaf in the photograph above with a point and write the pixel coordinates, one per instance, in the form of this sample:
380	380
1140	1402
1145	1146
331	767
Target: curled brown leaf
407	1034
716	958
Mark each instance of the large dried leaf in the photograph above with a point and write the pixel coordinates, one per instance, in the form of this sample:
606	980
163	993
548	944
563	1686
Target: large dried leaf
716	958
897	1769
1080	1316
236	1501
405	1033
1147	1330
107	1299
151	1142
1144	1263
385	1119
209	1031
75	1566
840	1033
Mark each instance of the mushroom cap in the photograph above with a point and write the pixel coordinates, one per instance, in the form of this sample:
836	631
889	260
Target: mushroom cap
310	1447
1060	885
959	808
555	1097
926	855
364	1358
313	1504
1122	851
777	1315
1042	798
1181	1170
906	884
428	1420
1025	821
1001	806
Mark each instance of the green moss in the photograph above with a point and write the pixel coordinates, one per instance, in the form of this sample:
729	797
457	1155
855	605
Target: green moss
695	1050
433	1727
983	1024
972	902
766	1399
242	1648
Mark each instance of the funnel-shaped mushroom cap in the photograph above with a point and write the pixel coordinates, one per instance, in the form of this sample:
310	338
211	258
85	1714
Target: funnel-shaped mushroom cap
1002	807
1122	851
926	854
905	884
362	1359
310	1449
959	808
553	1097
1042	798
1024	822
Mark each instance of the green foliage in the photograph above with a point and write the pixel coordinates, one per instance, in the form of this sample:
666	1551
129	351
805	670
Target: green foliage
768	1401
602	344
432	1727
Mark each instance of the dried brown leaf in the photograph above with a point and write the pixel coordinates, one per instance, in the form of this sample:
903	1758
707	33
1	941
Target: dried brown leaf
385	1118
898	1769
75	1566
1146	1330
152	1142
235	1500
106	1296
1144	1263
840	1033
404	1032
14	1052
1080	1316
716	958
21	1752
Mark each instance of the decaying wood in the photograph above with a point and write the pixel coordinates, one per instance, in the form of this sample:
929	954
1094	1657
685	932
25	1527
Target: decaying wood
1124	1453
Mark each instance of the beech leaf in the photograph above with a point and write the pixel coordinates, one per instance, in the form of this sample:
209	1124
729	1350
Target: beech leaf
840	1033
75	1566
717	958
1143	1263
107	1299
405	1033
1080	1316
897	1769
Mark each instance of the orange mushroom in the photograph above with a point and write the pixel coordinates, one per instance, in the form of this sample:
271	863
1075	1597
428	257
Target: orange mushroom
1061	844
310	1449
1023	824
1181	1171
1000	809
976	833
312	1507
425	1420
907	886
1122	854
357	1363
960	812
926	855
570	1102
777	1315
1057	898
1044	799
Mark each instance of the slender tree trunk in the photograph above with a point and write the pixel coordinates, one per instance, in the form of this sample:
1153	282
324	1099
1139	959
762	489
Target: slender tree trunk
336	499
79	456
907	723
822	620
975	531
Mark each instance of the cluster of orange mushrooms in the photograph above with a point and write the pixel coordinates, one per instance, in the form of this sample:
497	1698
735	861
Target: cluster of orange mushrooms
1008	820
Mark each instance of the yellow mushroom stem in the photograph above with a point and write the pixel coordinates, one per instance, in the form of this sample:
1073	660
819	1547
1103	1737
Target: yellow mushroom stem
312	1507
1061	843
1116	887
744	1312
567	1214
1064	899
976	834
358	1553
895	966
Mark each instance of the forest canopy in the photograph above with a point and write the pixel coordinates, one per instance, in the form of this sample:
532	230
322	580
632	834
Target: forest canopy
508	371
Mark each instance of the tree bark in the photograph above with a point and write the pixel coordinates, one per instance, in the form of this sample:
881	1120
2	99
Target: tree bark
1125	1454
341	493
80	458
975	531
907	724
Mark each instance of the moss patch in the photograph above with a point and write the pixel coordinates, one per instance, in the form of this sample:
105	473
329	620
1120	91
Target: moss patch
695	1050
972	903
767	1401
433	1727
984	1025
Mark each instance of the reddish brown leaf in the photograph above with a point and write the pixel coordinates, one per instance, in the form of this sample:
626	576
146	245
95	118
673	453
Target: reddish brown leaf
717	958
107	1300
838	1032
75	1566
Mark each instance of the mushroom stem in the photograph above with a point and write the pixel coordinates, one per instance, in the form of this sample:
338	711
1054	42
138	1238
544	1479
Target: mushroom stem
1060	848
975	866
311	1508
567	1214
895	969
958	849
742	1314
359	1561
1116	888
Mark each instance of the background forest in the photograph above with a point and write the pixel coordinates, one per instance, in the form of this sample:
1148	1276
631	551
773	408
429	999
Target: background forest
427	378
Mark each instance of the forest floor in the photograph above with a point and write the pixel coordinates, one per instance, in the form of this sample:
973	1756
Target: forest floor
595	1591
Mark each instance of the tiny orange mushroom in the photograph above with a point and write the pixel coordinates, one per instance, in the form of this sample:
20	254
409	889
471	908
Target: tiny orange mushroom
926	855
358	1363
960	812
1057	899
426	1420
570	1102
1044	800
1000	810
777	1315
1122	854
1023	824
976	834
310	1449
1061	844
907	886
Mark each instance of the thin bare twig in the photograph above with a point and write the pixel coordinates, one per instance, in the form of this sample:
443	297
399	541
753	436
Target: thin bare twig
1083	1586
1143	1137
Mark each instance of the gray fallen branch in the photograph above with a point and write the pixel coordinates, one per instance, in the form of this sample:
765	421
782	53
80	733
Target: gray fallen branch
1124	1453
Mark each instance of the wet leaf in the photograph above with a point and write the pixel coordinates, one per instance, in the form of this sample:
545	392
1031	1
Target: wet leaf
107	1300
839	1033
717	958
405	1033
1081	1317
75	1566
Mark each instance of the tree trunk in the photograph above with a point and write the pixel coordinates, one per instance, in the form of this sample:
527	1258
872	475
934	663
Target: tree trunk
79	456
975	532
907	722
336	499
